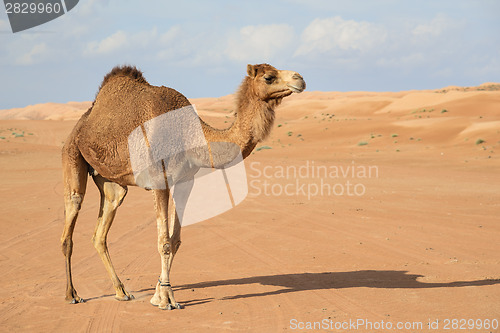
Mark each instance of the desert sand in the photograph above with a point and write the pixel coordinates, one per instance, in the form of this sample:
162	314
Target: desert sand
364	208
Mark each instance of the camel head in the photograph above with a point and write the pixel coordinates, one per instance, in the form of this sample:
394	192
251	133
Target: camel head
270	83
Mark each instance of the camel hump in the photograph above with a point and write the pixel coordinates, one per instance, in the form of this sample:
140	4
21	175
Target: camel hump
126	70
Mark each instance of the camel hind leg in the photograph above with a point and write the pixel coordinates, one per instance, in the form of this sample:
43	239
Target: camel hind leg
75	174
112	195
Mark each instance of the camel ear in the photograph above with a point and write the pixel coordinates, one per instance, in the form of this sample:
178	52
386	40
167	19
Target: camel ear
251	71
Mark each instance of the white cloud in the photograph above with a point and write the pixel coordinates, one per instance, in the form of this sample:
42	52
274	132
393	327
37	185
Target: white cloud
143	39
37	53
178	45
439	25
121	40
108	44
169	36
259	42
433	43
91	7
335	35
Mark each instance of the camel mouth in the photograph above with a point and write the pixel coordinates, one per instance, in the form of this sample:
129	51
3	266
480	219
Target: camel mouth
296	89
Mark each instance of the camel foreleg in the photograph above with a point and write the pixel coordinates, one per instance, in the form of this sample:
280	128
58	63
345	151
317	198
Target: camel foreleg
169	241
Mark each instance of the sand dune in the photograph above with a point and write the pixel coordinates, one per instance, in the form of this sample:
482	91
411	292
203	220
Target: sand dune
406	231
47	111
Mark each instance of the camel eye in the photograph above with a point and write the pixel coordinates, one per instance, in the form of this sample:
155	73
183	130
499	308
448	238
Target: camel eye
269	78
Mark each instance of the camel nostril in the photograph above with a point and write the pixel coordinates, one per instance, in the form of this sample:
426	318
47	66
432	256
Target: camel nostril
297	76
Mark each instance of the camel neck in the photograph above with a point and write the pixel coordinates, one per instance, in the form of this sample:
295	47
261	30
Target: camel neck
253	121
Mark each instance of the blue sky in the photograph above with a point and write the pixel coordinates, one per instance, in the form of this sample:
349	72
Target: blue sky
201	48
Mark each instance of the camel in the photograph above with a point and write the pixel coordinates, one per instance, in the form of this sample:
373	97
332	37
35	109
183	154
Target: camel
98	147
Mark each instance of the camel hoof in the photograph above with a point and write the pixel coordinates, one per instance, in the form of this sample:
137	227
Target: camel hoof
165	307
171	307
125	298
76	300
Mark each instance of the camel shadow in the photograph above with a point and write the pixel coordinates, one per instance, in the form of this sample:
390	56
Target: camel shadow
335	280
184	303
296	282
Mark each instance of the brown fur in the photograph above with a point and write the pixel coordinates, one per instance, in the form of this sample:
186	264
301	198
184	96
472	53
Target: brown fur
99	144
129	71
